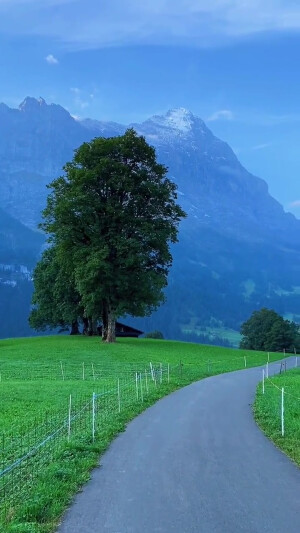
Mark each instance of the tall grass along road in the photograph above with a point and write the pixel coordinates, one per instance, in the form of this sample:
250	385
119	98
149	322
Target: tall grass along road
194	462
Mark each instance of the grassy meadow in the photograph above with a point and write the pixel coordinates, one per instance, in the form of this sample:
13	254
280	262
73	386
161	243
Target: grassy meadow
46	416
267	411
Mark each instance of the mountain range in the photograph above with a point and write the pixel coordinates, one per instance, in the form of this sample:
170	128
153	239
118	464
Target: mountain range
238	250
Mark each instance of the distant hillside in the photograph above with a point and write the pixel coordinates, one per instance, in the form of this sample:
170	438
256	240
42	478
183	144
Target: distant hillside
238	249
19	249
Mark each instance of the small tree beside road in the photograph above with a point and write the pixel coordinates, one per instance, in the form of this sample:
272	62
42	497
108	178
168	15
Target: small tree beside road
267	331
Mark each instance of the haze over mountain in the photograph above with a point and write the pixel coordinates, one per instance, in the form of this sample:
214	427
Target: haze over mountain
238	249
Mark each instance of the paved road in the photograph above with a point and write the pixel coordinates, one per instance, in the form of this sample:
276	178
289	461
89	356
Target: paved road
195	462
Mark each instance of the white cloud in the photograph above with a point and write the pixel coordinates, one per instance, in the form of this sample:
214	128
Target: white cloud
262	146
296	203
222	114
51	59
94	24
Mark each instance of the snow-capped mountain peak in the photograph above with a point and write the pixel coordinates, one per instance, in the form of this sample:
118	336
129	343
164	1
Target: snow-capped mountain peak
180	119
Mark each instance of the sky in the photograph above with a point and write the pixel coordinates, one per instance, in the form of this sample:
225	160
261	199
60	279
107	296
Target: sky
234	63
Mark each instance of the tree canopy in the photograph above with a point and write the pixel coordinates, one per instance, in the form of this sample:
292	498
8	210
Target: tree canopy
110	219
267	331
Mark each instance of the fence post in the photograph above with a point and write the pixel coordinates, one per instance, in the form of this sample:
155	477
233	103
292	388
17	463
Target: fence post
245	361
83	373
152	373
146	380
93	416
263	382
141	385
93	371
136	386
296	361
161	372
168	372
282	411
119	396
267	370
268	357
69	418
62	371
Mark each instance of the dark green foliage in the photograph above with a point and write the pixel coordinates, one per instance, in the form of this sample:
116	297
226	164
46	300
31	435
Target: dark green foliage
111	219
154	335
56	301
268	331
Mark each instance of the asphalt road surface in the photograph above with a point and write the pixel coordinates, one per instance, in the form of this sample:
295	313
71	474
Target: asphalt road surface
195	462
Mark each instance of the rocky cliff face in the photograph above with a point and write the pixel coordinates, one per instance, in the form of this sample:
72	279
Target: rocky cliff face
238	249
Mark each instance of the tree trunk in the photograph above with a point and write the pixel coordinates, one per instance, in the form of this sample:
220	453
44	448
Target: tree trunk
92	327
85	325
111	327
74	328
104	321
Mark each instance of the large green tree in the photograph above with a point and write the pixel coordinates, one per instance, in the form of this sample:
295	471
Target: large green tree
111	218
266	330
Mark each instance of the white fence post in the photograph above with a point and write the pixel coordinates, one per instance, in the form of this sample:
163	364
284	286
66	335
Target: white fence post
152	373
146	379
268	357
168	372
245	360
282	411
141	386
267	370
136	386
62	371
83	372
296	361
161	372
93	416
263	382
69	418
119	396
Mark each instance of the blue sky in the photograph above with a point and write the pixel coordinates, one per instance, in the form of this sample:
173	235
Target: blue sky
235	63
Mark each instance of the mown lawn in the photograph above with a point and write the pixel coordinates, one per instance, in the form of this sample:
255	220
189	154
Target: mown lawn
267	412
39	374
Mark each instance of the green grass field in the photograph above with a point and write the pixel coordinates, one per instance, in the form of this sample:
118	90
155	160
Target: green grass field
267	412
38	375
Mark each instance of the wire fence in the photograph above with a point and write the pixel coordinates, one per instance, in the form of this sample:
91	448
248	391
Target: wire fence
27	450
90	371
282	403
63	371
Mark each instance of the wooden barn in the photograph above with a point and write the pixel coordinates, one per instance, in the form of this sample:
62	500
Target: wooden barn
124	331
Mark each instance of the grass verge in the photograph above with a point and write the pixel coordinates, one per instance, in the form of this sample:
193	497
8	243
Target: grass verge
267	412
